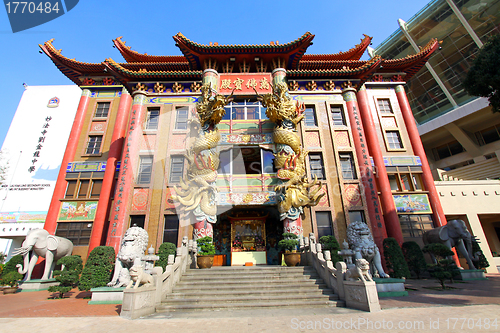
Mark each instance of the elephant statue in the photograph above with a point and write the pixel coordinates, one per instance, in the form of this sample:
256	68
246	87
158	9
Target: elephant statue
453	234
39	242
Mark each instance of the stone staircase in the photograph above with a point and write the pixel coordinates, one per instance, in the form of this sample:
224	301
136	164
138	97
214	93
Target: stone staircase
254	287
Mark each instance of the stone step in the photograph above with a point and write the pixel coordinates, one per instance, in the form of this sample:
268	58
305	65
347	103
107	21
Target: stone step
248	279
211	294
206	273
269	286
233	269
238	297
251	305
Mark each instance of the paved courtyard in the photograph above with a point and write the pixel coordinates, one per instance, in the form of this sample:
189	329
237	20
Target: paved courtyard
471	306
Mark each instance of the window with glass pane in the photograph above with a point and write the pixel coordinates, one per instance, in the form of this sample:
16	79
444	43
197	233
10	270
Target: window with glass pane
102	110
137	220
310	116
153	119
96	188
417	182
393	140
384	105
357	216
405	182
94	144
393	180
347	166
415	225
324	224
181	118
77	232
268	159
176	168
316	165
488	135
70	189
171	229
84	188
145	170
337	115
225	162
247	161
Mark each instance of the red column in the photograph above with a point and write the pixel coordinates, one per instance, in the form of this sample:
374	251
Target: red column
390	215
114	155
366	174
124	188
418	149
60	188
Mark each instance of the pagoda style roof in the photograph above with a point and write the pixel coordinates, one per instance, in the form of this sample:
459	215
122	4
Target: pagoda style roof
353	54
239	59
197	53
132	56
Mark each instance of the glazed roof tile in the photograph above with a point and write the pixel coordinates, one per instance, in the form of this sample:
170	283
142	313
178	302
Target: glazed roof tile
353	54
128	74
358	72
132	56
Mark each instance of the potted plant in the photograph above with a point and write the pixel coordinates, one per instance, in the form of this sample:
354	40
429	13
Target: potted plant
289	245
11	279
206	252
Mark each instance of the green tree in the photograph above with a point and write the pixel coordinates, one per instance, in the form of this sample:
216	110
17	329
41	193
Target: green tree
394	259
206	246
165	250
98	268
330	243
444	269
10	266
414	258
69	276
483	78
289	242
476	250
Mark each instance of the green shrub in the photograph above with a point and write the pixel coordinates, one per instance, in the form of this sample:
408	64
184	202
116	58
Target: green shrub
482	262
329	243
206	246
69	276
10	266
394	259
11	279
165	250
289	242
445	268
2	257
98	270
414	258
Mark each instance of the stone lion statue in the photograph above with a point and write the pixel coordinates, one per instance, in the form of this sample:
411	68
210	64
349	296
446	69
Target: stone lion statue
361	242
360	271
139	276
133	246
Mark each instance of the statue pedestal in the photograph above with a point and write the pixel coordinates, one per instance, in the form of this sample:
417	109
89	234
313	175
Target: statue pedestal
361	295
107	295
37	284
390	287
472	274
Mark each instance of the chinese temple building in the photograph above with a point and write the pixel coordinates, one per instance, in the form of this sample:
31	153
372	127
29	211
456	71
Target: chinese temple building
242	143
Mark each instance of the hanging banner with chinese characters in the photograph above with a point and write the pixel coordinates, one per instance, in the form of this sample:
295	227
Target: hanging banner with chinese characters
244	84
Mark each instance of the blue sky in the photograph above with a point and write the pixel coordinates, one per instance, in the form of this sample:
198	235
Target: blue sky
86	32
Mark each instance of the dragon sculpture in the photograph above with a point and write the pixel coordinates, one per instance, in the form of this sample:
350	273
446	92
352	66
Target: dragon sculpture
294	191
197	192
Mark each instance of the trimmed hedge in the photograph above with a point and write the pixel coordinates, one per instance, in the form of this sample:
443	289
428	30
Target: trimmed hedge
329	243
394	259
98	270
414	258
164	251
69	276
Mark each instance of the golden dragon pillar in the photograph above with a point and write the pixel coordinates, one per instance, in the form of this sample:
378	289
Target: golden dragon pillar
294	191
197	192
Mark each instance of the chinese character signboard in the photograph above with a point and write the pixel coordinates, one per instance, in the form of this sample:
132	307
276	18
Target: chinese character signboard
245	83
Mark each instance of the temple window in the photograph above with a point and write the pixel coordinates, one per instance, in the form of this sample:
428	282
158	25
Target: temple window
246	160
415	225
310	116
145	170
181	117
171	229
405	178
176	168
338	115
138	220
324	224
153	119
83	185
393	140
357	216
316	165
384	105
76	232
347	166
94	145
244	110
102	110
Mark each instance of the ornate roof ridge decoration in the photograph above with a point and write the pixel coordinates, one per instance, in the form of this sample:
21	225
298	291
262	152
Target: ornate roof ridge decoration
133	56
359	72
70	67
126	75
411	64
197	53
330	64
353	54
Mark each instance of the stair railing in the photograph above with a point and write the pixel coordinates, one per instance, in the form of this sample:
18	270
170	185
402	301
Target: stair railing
360	295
